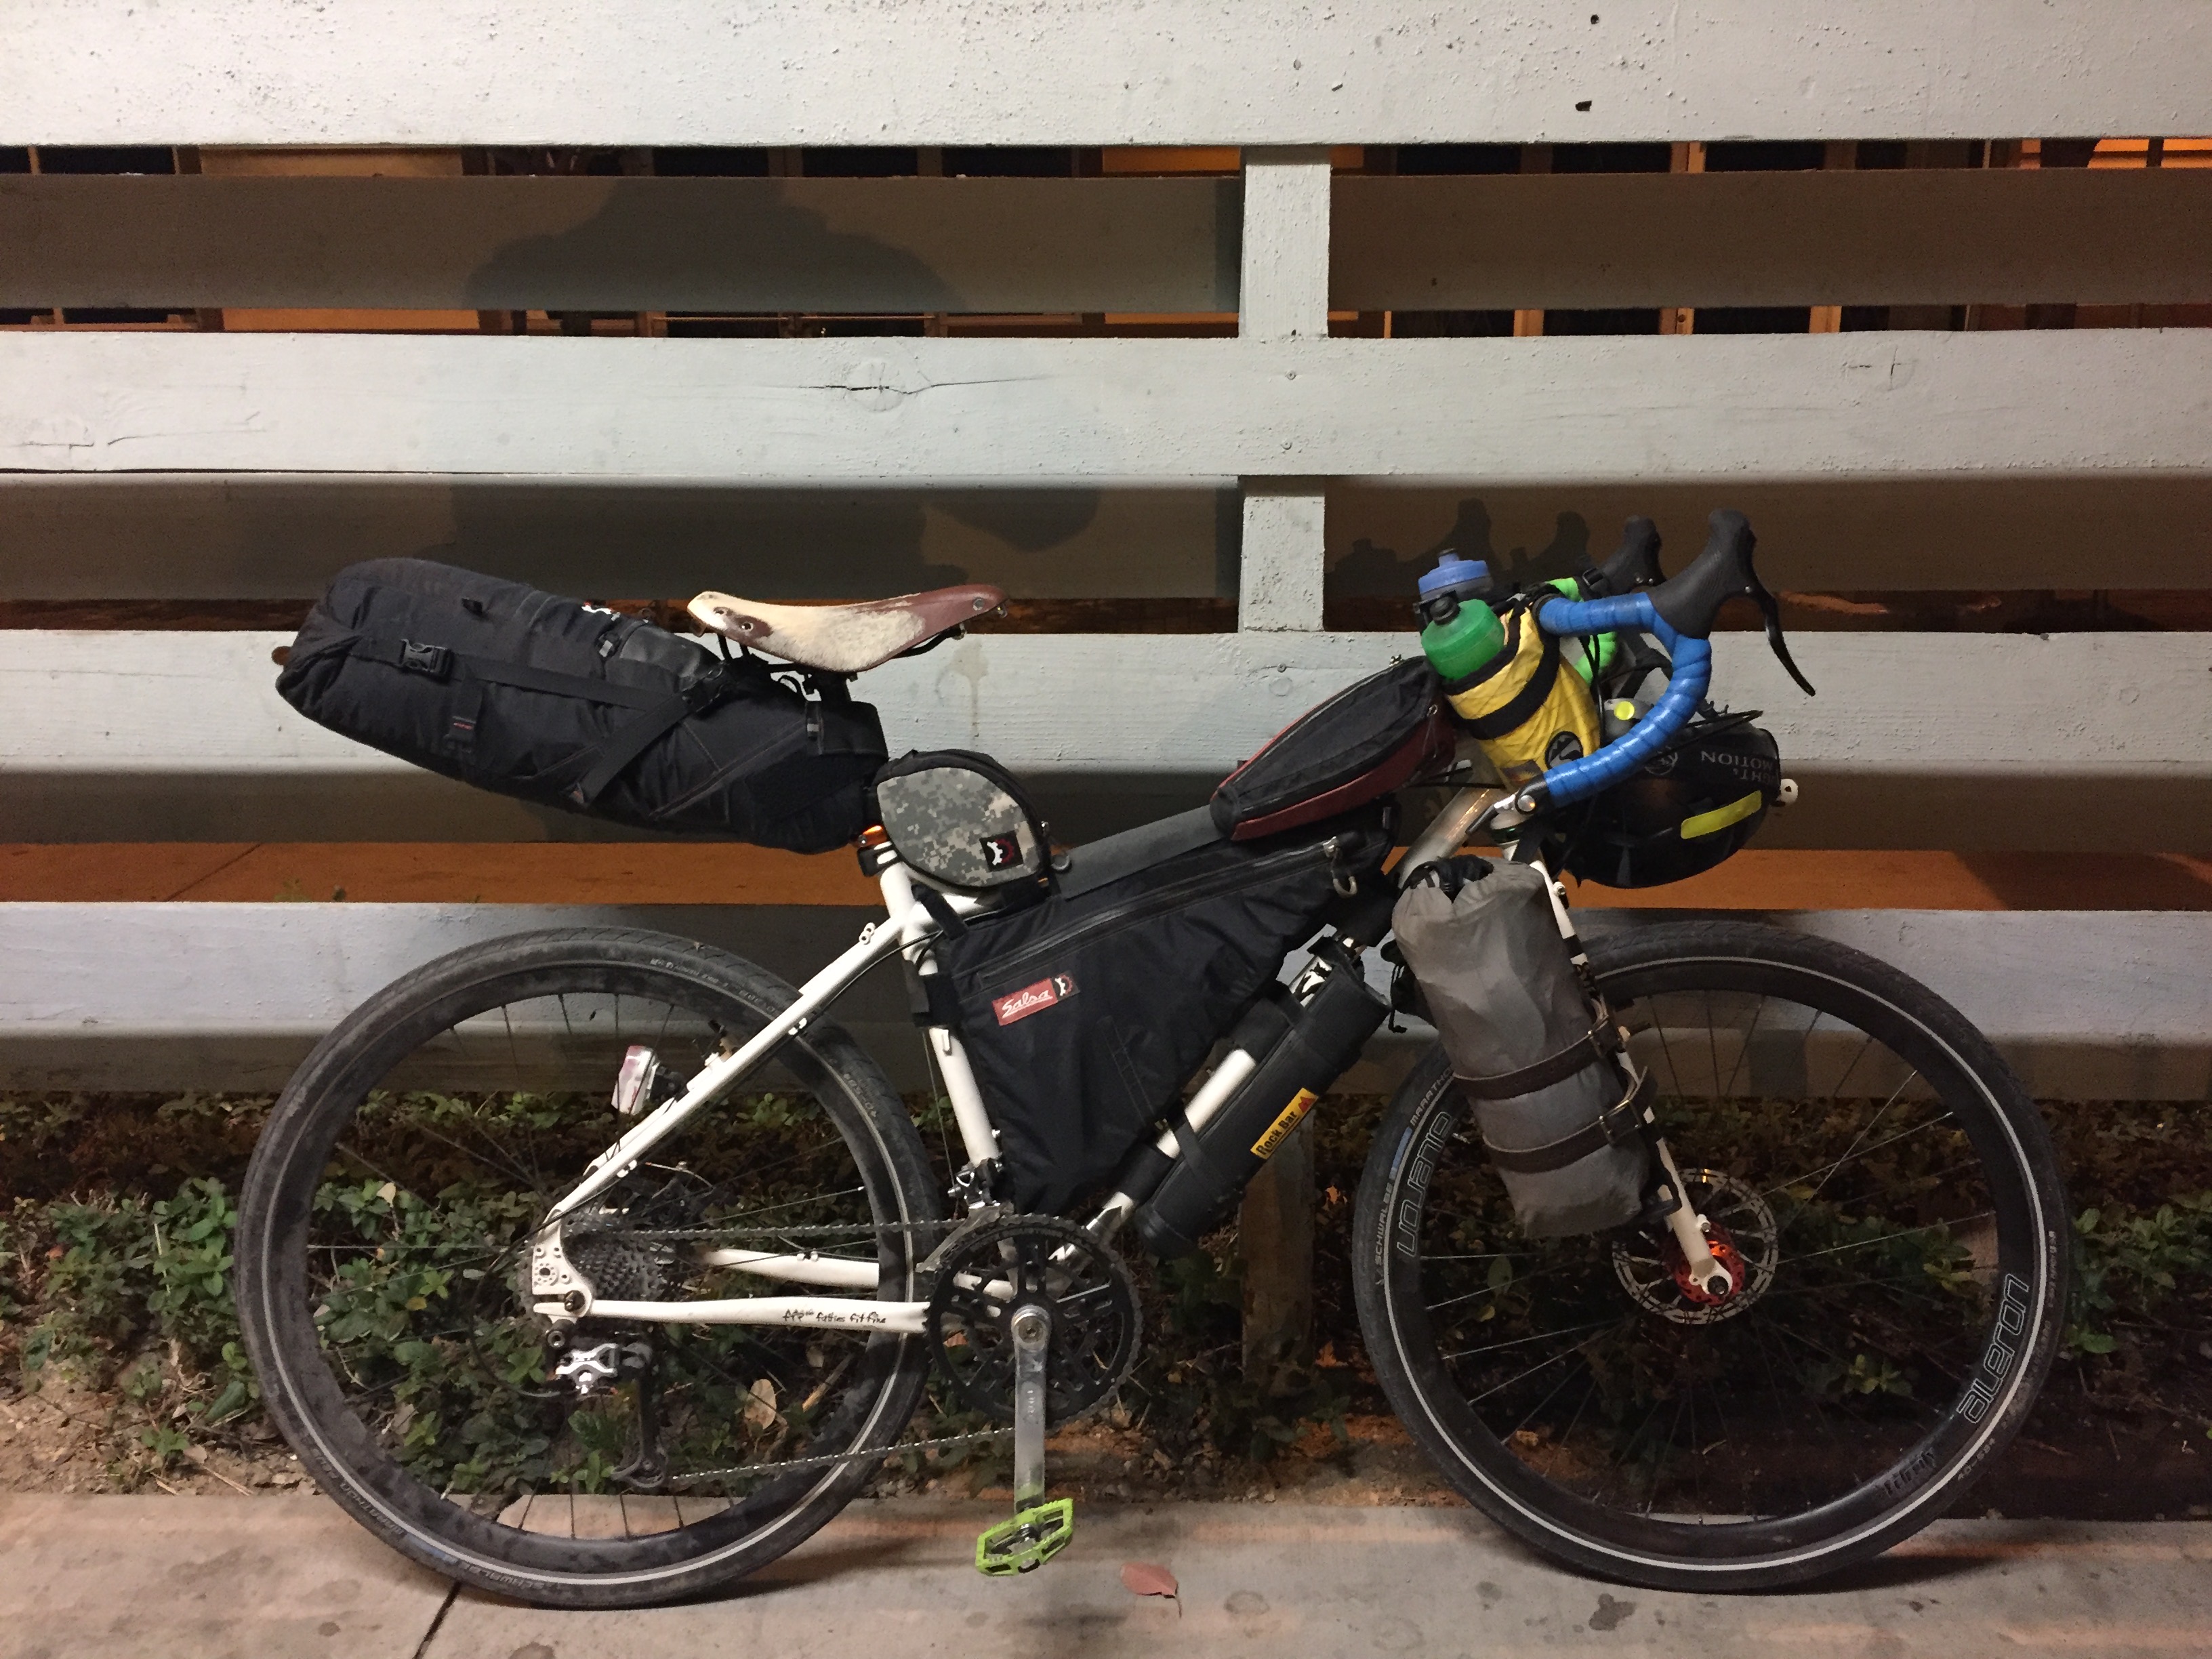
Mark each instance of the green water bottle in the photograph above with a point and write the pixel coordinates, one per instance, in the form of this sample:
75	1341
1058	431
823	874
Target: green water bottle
1459	630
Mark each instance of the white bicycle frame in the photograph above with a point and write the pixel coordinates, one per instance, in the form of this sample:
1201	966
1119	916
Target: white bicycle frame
561	1294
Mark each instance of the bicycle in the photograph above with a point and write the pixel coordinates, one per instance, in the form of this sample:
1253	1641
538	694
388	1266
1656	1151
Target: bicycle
595	1372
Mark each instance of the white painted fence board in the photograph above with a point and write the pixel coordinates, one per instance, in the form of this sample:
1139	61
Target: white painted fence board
1285	253
1107	72
2080	740
1858	406
2112	1005
1935	237
1282	562
586	244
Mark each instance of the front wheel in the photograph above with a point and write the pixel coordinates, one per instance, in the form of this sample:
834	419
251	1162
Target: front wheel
1893	1198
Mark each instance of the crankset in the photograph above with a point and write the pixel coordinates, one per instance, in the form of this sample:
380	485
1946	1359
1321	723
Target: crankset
1035	1320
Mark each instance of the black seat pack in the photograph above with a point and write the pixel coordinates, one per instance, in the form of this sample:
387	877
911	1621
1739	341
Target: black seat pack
575	705
1085	1014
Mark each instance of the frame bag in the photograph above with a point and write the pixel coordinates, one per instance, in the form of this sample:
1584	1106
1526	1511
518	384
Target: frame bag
1525	1044
1083	1015
575	706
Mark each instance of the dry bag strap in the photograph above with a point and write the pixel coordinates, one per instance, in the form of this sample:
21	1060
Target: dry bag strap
1524	703
1621	1122
1586	1050
658	712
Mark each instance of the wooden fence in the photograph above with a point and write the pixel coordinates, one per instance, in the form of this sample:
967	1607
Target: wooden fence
809	300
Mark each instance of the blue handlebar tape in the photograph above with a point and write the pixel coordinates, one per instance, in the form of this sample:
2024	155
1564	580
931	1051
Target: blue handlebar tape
1578	779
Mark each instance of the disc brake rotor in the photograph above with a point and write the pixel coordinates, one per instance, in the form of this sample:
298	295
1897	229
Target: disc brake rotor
1744	1233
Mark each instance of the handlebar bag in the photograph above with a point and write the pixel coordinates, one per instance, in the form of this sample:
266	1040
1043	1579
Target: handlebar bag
1528	708
1481	942
1084	1014
577	706
1695	804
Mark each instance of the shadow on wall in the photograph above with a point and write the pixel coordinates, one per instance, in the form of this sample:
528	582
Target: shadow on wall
785	248
2067	532
1372	569
184	538
781	543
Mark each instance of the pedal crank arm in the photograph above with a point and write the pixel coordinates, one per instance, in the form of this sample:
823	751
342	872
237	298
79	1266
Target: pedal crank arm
1030	1327
1039	1531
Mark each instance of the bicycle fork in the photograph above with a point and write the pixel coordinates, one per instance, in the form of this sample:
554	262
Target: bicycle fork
1690	1230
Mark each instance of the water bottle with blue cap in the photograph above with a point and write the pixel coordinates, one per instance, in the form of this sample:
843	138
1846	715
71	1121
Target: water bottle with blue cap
1460	632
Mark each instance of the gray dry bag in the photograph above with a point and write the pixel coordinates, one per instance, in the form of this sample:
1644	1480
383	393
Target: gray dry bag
1535	1058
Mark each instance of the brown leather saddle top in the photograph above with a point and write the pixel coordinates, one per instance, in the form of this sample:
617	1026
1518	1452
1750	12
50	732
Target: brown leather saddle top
845	639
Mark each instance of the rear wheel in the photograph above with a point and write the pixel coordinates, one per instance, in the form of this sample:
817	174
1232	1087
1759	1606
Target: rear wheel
389	1210
1894	1205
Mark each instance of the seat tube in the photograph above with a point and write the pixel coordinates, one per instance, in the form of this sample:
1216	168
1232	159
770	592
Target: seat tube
977	1138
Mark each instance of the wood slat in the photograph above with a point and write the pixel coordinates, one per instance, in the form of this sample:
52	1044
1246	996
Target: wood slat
2104	1005
1908	237
1960	740
588	244
541	873
1175	72
948	413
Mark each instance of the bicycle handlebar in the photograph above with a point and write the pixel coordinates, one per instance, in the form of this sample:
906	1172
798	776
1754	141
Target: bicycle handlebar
1578	779
1679	612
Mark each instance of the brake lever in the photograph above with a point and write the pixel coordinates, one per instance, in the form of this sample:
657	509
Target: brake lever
1770	608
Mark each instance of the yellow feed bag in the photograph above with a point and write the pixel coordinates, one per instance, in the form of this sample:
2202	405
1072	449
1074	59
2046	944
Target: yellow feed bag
1527	708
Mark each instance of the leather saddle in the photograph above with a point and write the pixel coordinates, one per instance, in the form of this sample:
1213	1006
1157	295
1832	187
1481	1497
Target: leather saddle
845	639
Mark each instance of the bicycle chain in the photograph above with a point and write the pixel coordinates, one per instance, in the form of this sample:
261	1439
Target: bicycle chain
792	1465
818	1229
810	1230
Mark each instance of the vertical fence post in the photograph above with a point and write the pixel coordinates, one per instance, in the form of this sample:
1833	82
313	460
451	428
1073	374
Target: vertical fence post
1284	296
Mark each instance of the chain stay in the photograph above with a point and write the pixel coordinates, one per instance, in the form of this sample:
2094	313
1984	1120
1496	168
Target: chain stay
792	1465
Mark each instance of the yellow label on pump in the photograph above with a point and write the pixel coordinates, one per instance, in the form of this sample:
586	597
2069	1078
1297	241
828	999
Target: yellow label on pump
1280	1130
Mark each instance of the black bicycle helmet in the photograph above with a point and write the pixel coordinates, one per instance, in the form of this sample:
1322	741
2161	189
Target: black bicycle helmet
1692	806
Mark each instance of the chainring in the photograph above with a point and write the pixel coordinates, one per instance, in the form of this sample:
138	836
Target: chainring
983	1276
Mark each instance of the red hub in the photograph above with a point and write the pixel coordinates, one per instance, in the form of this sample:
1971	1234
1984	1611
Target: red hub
1724	1252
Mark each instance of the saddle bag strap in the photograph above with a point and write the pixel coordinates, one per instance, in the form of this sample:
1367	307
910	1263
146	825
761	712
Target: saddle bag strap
1624	1120
597	767
1593	1046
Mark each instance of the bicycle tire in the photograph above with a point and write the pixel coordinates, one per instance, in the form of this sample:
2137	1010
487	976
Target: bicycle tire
358	1466
1567	1484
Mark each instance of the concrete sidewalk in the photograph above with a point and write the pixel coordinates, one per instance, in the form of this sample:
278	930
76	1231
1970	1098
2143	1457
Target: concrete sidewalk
89	1577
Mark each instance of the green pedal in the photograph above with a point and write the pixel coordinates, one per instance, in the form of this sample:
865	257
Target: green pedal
1025	1543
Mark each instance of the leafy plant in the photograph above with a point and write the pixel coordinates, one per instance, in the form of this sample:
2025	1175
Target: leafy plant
2127	1264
